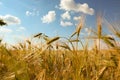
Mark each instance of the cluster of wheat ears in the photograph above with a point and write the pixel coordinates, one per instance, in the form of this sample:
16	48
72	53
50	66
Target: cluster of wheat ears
60	58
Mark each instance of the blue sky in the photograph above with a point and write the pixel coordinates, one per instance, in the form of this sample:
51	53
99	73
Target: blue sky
52	17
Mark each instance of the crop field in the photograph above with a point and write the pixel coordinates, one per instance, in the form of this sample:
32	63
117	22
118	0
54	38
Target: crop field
63	58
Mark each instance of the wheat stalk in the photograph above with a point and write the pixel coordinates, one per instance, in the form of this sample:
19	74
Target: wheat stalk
37	35
52	40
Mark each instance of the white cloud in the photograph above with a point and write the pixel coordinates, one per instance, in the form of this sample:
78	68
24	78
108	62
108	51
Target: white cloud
66	15
65	24
28	13
5	30
33	12
21	29
9	19
88	30
70	5
77	18
50	17
18	37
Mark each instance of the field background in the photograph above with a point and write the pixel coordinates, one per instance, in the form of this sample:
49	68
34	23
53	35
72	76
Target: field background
61	58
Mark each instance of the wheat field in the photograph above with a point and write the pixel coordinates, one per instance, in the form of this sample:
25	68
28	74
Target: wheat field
62	58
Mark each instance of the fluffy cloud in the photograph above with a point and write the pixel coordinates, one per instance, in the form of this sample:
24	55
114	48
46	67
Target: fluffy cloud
70	5
5	30
21	29
28	13
50	17
88	30
77	18
66	15
64	24
9	19
33	12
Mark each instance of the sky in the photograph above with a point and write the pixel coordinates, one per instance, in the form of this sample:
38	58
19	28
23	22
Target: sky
52	17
